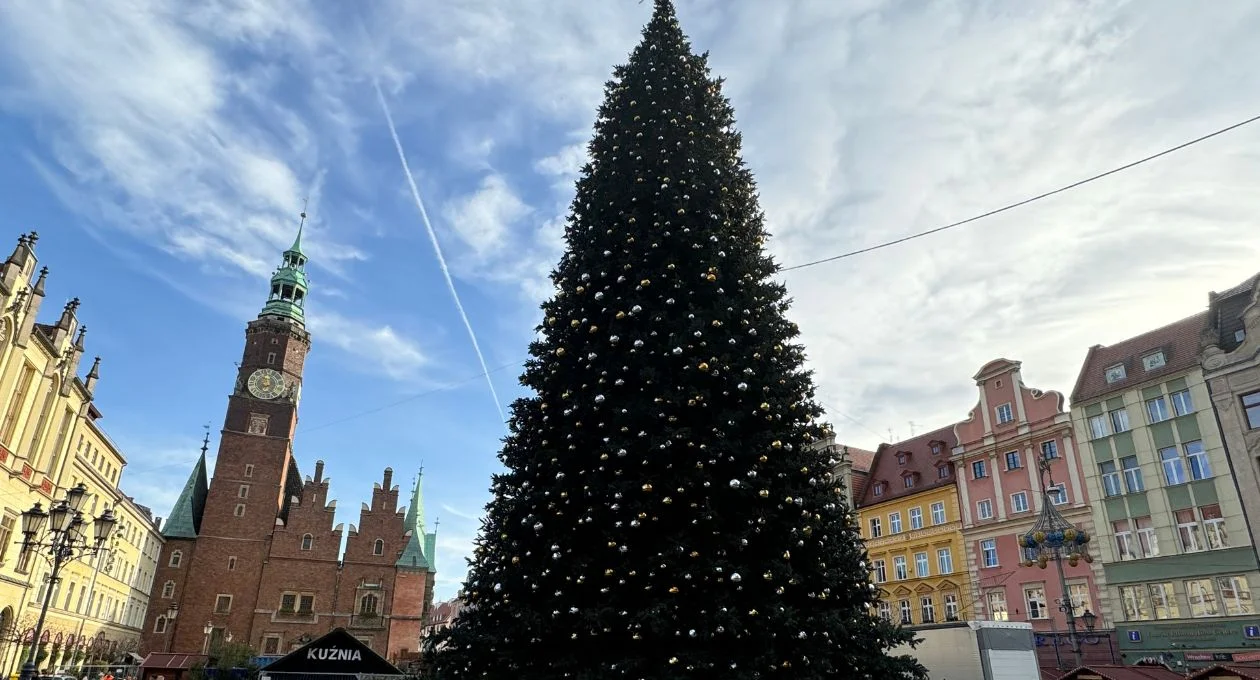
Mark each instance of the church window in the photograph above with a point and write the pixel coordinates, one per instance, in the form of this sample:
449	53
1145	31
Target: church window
168	589
177	558
232	563
249	469
243	491
308	541
378	548
368	604
239	511
258	423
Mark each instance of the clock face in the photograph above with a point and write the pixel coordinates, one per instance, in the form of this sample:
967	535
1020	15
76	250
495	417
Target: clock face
266	383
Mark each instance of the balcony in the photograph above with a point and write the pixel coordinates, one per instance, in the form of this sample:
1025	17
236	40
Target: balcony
294	615
367	621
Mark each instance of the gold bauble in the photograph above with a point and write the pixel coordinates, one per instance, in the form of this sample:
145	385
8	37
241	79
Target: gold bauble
776	444
703	366
516	559
621	315
551	321
559	351
645	283
764	493
764	458
765	406
673	589
647	488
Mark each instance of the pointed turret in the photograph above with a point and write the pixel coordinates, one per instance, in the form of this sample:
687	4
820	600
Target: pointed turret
420	546
89	383
288	283
33	302
65	325
185	519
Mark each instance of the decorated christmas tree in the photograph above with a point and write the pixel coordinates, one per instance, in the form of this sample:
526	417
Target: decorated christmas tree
665	512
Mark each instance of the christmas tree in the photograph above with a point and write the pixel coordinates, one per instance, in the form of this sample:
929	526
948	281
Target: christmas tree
666	512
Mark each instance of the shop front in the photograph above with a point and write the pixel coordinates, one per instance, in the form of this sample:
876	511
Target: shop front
335	656
1183	644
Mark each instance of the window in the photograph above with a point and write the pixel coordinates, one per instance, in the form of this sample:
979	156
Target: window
6	535
936	449
1188	531
1119	420
1012	460
944	561
1110	478
899	568
308	541
1182	403
894	522
879	571
232	563
306	604
1251	408
1079	595
984	509
921	565
938	513
942	471
1202	598
905	612
1035	596
16	402
1147	541
978	470
288	603
1153	361
1197	460
1098	427
927	609
239	510
879	489
1135	603
988	554
1114	373
243	491
368	604
1163	602
176	558
1124	539
168	590
249	469
885	610
916	518
1057	494
271	357
1157	410
159	625
951	606
908	480
1174	471
222	604
1019	502
901	459
1213	527
258	423
876	529
996	599
1235	595
1132	474
378	548
271	644
1004	414
1049	450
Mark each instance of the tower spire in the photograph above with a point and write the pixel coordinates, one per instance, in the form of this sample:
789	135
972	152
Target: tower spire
288	284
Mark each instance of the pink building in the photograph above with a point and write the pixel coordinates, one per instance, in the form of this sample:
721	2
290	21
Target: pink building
1000	443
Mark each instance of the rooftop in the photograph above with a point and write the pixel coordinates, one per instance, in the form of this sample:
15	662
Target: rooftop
1179	342
913	457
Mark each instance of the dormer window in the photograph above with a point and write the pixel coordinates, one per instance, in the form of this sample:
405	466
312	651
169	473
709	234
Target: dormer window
910	479
1153	361
901	459
879	489
1115	373
942	471
937	448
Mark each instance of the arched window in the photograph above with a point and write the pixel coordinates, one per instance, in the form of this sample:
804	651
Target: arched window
308	541
159	625
45	412
378	548
168	589
177	558
368	604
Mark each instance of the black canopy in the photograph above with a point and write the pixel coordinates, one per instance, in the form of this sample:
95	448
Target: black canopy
336	654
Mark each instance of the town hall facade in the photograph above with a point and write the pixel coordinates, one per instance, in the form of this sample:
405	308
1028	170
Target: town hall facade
252	554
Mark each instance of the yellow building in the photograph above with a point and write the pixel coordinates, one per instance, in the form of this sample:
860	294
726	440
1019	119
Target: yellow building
50	441
909	518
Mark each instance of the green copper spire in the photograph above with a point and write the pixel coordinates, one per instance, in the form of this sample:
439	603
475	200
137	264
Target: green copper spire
185	518
420	546
288	283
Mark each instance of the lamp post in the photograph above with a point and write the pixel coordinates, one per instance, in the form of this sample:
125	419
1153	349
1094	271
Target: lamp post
207	629
60	535
1054	539
172	612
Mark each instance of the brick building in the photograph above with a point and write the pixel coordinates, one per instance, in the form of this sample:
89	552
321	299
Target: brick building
253	554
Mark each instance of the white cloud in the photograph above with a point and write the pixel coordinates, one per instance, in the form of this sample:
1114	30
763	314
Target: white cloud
380	347
482	220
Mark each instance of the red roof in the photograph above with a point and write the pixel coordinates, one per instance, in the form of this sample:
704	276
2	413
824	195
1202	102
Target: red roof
1227	671
1179	342
919	461
861	458
1125	673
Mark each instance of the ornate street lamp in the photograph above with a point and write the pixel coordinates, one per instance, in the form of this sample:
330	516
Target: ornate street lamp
1054	539
60	535
172	612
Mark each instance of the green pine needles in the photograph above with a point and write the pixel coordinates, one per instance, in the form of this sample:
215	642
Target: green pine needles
666	510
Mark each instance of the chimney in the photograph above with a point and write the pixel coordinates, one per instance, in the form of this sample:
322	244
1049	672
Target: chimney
319	471
388	483
93	375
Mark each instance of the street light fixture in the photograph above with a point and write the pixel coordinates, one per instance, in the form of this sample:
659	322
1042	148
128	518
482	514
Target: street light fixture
1090	619
1054	539
171	613
60	535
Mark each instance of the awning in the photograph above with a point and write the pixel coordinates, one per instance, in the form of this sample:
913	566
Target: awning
170	661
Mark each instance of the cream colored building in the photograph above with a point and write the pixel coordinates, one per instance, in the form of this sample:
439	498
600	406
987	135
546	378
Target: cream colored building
49	442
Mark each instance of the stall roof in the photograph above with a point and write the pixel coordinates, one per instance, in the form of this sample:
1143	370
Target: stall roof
337	653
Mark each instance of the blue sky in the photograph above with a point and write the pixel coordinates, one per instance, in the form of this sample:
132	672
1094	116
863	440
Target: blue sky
163	153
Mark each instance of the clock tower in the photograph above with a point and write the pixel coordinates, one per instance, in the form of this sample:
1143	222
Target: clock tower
255	475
